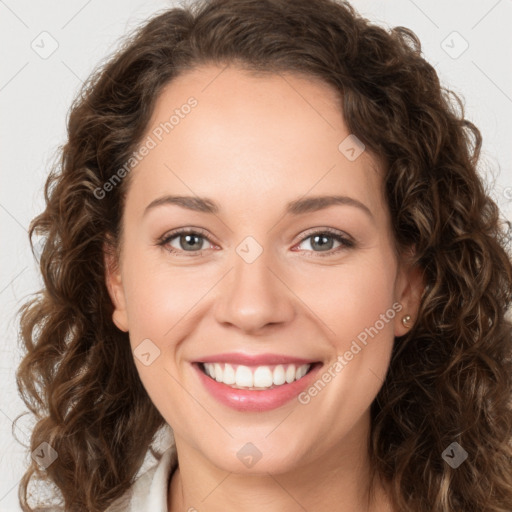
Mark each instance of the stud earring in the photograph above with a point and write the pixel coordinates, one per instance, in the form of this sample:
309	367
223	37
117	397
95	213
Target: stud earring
405	320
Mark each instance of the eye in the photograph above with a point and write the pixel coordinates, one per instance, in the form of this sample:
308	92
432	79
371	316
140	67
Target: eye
181	241
324	241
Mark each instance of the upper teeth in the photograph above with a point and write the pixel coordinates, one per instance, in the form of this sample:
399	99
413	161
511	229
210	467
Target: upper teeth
260	377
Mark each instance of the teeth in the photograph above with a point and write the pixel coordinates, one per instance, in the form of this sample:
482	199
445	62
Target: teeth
260	377
229	375
263	377
290	373
279	376
217	371
301	371
243	377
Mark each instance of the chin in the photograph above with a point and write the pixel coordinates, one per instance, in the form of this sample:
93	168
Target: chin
251	458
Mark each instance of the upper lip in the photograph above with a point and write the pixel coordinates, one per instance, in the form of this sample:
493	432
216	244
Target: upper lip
253	359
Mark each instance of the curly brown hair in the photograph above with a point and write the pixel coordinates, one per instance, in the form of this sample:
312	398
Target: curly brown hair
450	377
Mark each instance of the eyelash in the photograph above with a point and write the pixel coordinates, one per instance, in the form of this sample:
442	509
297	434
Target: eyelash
346	243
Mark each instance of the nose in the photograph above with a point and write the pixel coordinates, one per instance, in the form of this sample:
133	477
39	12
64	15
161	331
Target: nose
254	295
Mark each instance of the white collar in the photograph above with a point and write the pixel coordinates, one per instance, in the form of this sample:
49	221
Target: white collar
149	492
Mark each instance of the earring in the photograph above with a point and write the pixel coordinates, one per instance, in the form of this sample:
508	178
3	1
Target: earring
405	320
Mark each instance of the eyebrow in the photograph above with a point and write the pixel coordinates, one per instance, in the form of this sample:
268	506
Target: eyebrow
296	207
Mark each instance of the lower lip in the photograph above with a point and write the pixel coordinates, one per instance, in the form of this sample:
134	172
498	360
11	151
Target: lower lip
256	400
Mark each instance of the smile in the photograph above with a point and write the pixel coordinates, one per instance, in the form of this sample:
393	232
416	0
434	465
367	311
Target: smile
250	383
255	377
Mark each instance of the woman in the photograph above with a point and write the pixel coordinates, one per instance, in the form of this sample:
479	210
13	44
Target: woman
268	236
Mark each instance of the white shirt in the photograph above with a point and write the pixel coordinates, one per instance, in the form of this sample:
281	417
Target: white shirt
149	492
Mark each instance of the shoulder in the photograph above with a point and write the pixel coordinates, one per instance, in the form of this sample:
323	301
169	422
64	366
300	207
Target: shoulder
149	491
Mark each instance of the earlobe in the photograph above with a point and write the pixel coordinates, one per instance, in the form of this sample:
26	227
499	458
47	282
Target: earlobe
409	295
115	287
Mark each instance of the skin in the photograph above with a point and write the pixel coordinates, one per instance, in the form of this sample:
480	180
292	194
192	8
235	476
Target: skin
252	144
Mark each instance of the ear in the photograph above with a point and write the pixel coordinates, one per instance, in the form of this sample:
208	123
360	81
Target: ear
409	288
115	286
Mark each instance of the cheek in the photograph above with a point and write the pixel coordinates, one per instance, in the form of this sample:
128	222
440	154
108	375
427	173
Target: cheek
160	306
352	297
355	305
159	297
360	316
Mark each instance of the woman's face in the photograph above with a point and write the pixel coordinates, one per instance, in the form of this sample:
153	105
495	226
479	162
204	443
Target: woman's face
273	280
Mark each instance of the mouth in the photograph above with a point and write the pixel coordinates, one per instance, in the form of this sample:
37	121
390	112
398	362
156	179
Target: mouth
255	383
255	378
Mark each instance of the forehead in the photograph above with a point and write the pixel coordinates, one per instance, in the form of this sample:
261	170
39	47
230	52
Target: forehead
274	136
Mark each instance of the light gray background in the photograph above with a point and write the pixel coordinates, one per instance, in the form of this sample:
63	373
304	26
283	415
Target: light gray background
36	90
